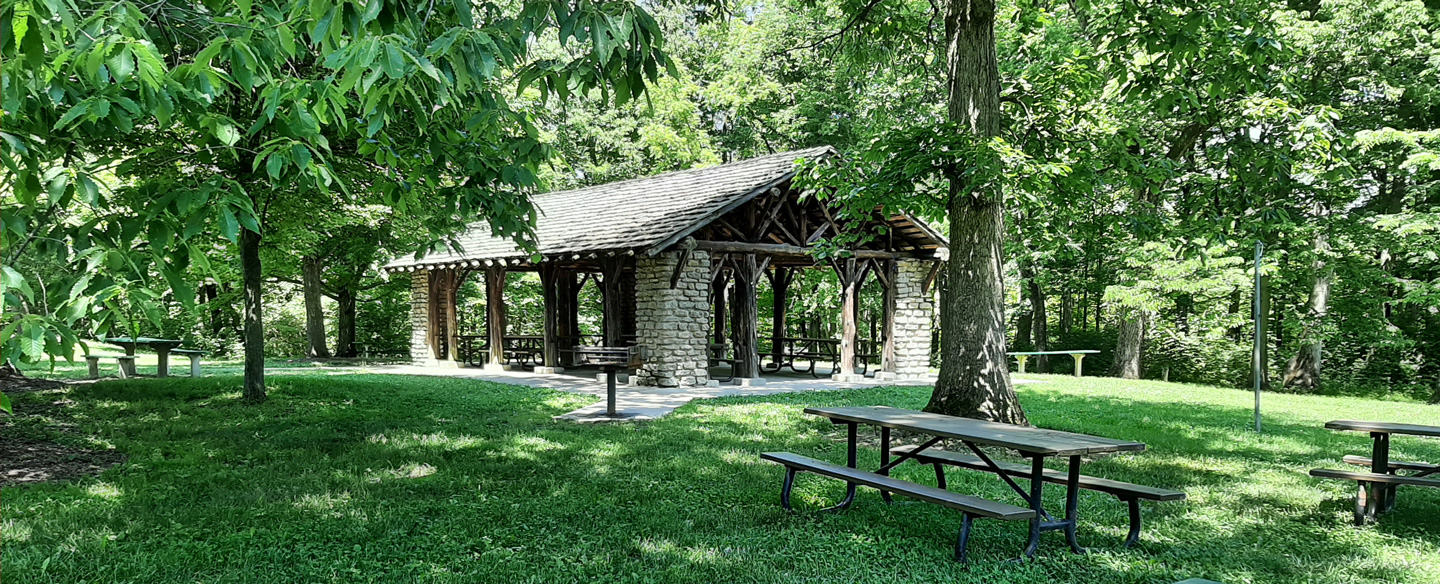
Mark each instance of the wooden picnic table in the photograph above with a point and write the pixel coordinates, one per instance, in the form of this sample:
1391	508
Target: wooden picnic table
1034	443
1078	355
162	348
1377	488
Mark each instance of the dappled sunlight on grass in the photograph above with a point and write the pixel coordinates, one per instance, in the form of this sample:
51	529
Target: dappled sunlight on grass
330	503
391	478
413	470
435	440
12	531
104	491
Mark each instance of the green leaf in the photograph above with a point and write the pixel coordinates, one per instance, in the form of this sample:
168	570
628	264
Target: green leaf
229	225
227	133
5	404
121	64
32	45
274	164
322	27
372	10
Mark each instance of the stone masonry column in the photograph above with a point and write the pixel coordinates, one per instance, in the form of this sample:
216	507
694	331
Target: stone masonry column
420	352
914	310
673	324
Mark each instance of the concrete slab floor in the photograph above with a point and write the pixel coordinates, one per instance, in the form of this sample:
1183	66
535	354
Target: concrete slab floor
634	403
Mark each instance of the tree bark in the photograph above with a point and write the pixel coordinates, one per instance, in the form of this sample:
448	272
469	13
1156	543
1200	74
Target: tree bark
1067	311
1302	373
254	328
1130	344
345	322
314	312
974	377
1039	320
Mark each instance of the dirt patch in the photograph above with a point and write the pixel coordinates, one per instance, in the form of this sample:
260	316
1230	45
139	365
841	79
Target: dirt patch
13	384
33	461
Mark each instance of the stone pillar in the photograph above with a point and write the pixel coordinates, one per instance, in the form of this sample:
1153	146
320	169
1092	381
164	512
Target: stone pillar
420	318
673	324
914	312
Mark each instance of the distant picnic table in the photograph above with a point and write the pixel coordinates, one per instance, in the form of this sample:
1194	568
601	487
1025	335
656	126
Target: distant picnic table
1034	443
1078	355
1376	493
162	348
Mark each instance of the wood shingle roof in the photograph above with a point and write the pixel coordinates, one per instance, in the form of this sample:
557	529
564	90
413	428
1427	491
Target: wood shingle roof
626	215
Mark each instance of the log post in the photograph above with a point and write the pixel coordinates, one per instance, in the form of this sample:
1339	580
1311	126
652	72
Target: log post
613	308
718	286
887	354
780	281
848	272
564	308
495	315
452	314
549	276
745	316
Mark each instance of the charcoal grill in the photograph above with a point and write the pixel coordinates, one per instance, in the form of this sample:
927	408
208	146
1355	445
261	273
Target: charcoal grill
610	360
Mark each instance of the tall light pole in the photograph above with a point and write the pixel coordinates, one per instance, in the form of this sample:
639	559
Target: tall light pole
1255	364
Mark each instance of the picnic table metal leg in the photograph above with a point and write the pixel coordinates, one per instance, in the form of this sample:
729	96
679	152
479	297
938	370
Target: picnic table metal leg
1079	360
610	392
1379	463
1072	504
851	431
1020	363
785	490
885	460
1134	536
963	541
1037	486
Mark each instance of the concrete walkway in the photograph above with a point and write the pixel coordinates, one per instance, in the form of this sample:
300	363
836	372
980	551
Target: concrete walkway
631	402
639	403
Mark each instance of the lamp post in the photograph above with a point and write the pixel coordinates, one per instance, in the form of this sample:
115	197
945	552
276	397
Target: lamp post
1255	365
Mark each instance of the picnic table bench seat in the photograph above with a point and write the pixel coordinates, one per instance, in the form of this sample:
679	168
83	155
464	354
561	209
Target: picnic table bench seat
1375	477
194	355
1127	492
969	506
1394	465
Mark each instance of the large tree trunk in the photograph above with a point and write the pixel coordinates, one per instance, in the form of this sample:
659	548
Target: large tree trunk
254	329
345	322
1130	344
314	311
974	377
1302	373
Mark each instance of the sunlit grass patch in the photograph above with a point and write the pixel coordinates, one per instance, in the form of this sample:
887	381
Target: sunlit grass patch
391	478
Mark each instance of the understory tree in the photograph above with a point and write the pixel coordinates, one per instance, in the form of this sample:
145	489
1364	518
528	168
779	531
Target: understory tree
162	123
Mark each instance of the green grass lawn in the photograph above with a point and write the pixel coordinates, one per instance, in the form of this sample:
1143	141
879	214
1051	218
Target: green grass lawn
375	478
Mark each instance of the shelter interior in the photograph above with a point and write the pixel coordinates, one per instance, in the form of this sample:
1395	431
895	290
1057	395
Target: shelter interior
686	293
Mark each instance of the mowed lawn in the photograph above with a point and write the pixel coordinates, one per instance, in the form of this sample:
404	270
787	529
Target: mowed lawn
379	478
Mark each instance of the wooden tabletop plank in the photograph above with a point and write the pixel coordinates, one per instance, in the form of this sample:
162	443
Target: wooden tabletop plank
1021	438
1384	427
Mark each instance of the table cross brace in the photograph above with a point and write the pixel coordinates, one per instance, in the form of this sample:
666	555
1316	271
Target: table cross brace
995	468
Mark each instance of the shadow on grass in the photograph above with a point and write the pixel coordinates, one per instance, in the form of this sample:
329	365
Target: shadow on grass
385	478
